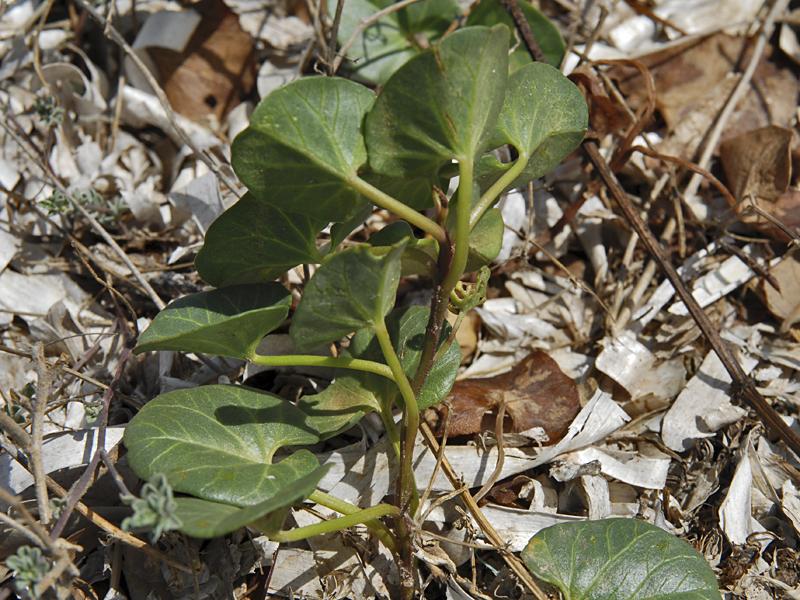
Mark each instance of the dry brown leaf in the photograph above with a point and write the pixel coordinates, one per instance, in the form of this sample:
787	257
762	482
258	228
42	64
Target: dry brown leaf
693	82
536	393
784	303
216	69
605	113
758	167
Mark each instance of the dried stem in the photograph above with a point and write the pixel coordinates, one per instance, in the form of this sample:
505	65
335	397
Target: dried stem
43	388
742	384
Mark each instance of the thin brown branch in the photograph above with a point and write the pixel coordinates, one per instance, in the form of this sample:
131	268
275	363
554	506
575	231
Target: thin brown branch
486	527
743	386
521	23
44	385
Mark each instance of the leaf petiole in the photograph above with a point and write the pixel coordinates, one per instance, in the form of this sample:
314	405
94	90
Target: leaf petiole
337	362
384	200
365	516
379	529
490	196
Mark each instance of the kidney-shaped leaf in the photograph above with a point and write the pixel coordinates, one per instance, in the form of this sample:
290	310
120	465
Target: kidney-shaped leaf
492	12
544	117
407	328
205	519
217	442
228	322
352	289
303	144
619	559
441	105
253	242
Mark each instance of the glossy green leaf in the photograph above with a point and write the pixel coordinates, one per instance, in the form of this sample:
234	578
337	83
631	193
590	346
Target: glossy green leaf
407	328
619	559
419	256
352	289
485	239
441	105
544	117
385	46
340	405
217	443
228	322
205	519
492	12
303	145
254	242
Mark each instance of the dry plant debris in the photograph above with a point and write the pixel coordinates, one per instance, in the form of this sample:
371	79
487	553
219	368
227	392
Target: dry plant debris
109	185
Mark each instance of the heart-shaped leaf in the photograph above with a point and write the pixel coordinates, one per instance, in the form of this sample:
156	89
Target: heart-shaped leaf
352	289
204	519
441	105
340	405
491	12
253	242
228	322
544	117
407	328
217	442
303	145
385	46
616	559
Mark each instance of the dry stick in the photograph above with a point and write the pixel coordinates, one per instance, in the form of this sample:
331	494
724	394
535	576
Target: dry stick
742	384
79	488
371	20
337	19
501	454
111	32
35	155
741	88
521	22
43	388
491	534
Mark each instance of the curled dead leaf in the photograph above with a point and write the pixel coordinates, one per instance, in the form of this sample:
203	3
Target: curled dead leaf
536	393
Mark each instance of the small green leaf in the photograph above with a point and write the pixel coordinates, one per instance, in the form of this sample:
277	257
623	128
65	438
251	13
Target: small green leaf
441	105
254	242
619	559
485	239
217	442
381	49
303	145
339	406
420	255
228	322
491	12
385	46
352	289
407	327
544	117
204	519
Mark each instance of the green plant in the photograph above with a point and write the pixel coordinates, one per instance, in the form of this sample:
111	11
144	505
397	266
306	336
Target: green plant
29	567
619	559
377	51
323	151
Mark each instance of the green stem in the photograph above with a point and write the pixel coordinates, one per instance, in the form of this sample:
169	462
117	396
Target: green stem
463	206
390	425
341	506
408	485
393	205
490	195
365	516
338	362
